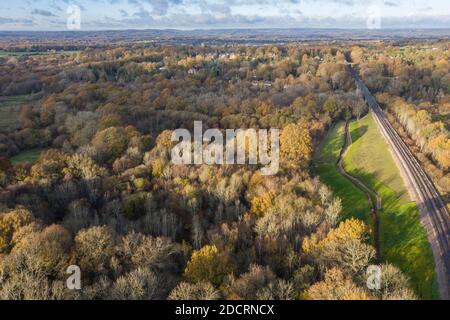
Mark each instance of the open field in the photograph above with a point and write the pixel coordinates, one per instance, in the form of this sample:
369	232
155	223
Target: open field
20	53
354	201
27	156
10	111
403	240
12	100
34	53
372	156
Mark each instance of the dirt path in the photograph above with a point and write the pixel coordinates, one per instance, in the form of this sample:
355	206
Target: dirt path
372	195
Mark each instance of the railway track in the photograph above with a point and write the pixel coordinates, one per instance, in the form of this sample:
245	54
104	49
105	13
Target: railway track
434	214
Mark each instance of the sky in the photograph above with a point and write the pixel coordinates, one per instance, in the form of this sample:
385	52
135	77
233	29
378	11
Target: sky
217	14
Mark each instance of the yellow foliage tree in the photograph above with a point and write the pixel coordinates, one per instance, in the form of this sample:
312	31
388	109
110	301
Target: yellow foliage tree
440	147
207	264
11	222
260	205
343	247
164	139
351	229
347	230
296	145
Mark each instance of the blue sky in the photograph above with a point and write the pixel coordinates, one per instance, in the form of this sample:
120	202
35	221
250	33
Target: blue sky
213	14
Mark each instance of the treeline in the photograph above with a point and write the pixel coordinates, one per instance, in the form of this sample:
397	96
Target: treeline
413	84
431	136
428	137
416	73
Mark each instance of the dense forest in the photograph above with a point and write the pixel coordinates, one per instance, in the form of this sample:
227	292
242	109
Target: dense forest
104	195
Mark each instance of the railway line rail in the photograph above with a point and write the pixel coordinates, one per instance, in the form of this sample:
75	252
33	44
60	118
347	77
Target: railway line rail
434	214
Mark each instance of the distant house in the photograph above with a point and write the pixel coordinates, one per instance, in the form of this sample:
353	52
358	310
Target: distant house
256	83
192	71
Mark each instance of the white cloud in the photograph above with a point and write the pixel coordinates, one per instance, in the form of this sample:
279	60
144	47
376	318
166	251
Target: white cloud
230	13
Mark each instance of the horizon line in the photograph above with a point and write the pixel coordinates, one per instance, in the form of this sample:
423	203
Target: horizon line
236	28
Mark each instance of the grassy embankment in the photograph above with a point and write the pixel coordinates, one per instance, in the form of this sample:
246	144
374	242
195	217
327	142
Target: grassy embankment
354	201
403	240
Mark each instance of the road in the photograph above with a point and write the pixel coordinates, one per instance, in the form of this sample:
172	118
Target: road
434	215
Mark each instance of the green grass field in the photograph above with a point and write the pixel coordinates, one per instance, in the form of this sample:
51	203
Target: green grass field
354	201
403	240
10	111
4	53
19	53
28	156
12	100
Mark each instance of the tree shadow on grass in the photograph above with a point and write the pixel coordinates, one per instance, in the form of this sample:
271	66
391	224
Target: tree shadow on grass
358	132
403	239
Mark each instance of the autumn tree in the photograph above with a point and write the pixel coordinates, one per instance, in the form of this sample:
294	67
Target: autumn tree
394	284
139	284
194	291
11	222
343	247
208	264
110	142
260	204
336	286
94	248
259	283
81	166
330	106
296	145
